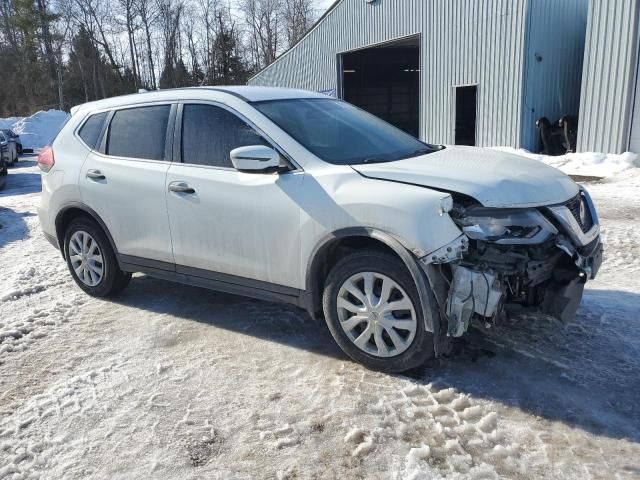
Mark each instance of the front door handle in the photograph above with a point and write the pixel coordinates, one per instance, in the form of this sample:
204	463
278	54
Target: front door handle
181	187
95	175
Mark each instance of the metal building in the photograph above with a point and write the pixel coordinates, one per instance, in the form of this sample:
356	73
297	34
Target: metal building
610	104
474	72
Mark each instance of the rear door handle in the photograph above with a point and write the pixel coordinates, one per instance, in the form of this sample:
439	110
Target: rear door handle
95	175
181	187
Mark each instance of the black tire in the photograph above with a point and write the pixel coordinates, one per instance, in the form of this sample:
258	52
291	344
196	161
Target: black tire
113	279
3	168
421	348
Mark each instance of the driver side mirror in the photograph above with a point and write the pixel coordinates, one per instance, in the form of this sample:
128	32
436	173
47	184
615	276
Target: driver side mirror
255	159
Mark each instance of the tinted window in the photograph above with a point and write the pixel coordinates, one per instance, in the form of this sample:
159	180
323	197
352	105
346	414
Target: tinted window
340	133
91	129
139	132
209	133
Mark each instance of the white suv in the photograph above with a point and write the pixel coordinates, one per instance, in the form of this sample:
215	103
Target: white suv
294	196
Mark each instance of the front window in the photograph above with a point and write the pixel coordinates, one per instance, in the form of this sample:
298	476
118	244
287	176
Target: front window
209	133
340	133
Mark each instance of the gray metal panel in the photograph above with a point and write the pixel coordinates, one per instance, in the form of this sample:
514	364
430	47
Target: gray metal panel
463	42
634	141
553	63
608	80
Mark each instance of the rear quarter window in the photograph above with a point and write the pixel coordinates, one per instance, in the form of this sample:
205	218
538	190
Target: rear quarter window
90	131
139	132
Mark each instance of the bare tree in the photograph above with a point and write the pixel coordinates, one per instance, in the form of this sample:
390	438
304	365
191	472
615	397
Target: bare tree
94	11
265	29
129	12
148	13
298	17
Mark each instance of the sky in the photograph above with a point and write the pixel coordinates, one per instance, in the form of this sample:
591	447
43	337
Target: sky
324	4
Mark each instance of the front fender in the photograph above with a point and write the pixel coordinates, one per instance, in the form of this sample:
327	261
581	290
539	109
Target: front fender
428	302
341	198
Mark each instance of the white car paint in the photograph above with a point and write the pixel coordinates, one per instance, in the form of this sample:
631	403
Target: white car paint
494	178
269	238
267	227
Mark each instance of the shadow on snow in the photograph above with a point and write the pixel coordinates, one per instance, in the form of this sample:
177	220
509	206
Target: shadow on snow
584	374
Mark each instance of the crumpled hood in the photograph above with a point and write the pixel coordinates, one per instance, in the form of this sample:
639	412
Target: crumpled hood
492	177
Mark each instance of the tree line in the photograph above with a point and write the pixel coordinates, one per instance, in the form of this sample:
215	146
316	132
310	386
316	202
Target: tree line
60	53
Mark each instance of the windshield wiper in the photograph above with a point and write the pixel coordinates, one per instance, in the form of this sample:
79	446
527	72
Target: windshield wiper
421	151
374	160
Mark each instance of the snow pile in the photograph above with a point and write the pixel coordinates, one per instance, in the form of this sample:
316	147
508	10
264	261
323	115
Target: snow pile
588	163
37	130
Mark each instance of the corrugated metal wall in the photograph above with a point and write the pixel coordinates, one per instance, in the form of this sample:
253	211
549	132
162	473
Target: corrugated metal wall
553	62
608	81
634	141
462	42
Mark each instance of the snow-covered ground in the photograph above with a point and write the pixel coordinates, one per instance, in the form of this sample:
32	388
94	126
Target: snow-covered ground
176	382
37	130
584	164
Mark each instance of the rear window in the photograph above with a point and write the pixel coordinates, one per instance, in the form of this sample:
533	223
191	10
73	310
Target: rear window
91	129
139	132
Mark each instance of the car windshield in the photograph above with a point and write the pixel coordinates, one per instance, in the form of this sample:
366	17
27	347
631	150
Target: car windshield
340	133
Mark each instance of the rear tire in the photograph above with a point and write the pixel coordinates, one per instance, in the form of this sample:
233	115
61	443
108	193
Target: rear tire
383	329
91	260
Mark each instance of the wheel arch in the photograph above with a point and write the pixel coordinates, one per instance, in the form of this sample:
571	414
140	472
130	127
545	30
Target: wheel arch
74	210
324	256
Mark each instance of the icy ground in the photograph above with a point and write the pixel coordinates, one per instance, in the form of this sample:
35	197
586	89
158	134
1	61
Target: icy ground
175	382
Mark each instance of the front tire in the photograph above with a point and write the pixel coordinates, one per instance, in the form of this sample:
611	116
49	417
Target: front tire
372	308
91	260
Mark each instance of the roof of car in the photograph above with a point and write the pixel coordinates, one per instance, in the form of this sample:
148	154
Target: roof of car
246	93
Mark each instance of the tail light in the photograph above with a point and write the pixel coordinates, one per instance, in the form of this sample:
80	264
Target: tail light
46	161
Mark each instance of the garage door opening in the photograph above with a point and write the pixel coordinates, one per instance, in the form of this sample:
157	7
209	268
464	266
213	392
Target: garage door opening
465	129
385	81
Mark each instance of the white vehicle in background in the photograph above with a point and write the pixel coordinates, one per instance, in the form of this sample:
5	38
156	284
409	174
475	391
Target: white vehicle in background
293	196
5	154
14	138
9	147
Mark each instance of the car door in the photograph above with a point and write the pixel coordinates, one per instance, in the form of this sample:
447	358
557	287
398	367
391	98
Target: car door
123	179
228	222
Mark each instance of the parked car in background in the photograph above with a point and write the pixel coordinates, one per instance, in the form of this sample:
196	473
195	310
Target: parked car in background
14	138
293	196
4	154
12	145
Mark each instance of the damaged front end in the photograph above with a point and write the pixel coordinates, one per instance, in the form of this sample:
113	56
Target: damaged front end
509	260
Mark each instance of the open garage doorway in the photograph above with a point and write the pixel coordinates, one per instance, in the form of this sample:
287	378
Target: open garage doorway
385	81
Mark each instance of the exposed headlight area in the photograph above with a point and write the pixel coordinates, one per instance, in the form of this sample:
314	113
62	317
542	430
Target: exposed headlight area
531	258
509	226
